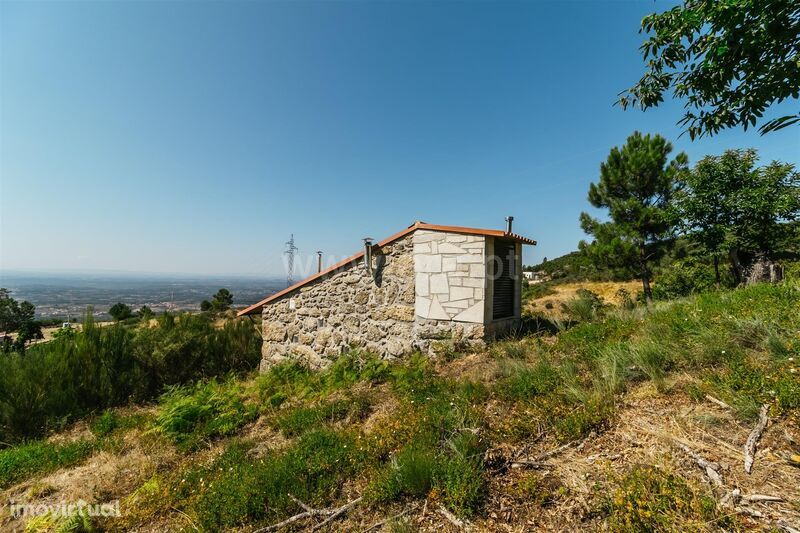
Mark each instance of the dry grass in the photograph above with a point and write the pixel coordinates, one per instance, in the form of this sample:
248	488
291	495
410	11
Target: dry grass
646	429
607	290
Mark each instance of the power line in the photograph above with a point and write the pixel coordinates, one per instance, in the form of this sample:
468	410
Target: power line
291	249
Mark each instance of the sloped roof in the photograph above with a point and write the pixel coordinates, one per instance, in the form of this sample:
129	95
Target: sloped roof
399	235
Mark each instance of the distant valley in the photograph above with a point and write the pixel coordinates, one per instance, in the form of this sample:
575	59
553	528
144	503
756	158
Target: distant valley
69	295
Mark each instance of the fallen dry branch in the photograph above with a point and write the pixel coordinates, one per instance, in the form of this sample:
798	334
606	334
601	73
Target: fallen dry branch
731	499
537	461
309	512
735	496
749	512
376	525
337	513
711	468
461	524
301	504
786	527
717	402
756	498
752	440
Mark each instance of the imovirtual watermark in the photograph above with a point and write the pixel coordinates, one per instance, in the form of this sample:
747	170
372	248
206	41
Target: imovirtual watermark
65	509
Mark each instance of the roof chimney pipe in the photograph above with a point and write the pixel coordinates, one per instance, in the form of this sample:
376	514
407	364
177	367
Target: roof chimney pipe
509	221
319	261
368	253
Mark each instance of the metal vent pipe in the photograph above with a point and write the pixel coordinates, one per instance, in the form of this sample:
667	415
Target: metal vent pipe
368	253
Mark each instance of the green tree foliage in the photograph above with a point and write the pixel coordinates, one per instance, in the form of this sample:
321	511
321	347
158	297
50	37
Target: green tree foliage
18	317
28	331
120	311
12	312
730	60
97	368
728	205
145	313
221	301
577	266
636	186
689	275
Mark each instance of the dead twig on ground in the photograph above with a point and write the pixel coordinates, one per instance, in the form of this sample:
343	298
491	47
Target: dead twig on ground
786	527
309	512
376	525
337	513
755	435
301	504
730	499
717	402
756	498
749	512
537	461
188	519
711	468
461	524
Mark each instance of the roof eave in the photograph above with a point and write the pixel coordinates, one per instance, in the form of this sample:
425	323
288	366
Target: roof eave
256	307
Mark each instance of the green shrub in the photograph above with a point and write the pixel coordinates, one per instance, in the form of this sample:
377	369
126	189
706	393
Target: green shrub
652	358
292	379
509	349
649	499
355	367
686	276
539	489
39	457
584	307
625	300
303	419
105	423
238	490
592	415
97	368
460	477
523	382
439	452
415	378
193	413
534	291
409	473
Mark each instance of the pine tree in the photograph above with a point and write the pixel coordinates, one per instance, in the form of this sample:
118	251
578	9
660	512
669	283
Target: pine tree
636	186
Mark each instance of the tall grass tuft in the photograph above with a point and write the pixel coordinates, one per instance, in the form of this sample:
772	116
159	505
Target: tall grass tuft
203	411
585	306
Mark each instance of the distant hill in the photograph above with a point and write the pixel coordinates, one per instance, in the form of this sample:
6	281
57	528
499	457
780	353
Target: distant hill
574	266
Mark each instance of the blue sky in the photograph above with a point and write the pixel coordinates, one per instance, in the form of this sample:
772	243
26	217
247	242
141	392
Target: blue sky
195	137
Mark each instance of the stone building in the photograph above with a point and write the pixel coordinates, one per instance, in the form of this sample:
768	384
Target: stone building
424	284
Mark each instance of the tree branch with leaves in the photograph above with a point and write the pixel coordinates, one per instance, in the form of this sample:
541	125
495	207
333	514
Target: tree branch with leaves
730	60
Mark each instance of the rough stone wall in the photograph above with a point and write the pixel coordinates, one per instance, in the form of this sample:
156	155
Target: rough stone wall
450	287
425	288
318	321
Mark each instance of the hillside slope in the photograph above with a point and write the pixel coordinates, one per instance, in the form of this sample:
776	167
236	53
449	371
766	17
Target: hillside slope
602	425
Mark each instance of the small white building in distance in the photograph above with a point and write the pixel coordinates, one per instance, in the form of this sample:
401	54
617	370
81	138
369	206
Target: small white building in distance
423	284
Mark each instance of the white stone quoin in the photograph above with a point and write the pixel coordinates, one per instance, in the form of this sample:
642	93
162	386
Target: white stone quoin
461	289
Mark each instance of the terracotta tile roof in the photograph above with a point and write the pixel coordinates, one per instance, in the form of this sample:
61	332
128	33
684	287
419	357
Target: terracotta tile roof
399	235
